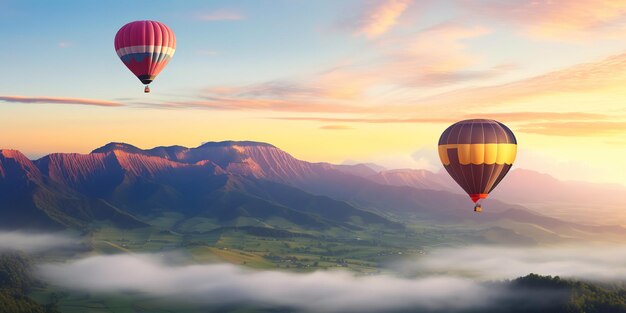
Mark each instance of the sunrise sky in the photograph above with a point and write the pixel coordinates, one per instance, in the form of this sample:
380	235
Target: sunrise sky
328	80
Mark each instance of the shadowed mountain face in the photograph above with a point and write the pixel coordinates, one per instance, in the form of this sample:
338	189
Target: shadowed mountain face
30	199
232	184
226	183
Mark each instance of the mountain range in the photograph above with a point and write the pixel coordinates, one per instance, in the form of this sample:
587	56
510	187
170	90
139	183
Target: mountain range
578	201
243	183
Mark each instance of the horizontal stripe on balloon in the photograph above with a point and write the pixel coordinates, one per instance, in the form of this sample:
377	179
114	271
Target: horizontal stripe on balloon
140	57
490	153
145	49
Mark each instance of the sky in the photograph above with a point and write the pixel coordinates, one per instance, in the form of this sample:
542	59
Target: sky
335	81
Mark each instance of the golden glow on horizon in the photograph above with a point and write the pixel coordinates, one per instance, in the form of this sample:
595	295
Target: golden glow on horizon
84	129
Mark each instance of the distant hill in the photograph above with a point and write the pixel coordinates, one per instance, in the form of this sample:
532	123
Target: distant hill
571	200
520	186
422	179
524	185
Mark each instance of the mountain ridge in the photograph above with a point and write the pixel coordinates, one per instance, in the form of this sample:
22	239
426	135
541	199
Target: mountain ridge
218	180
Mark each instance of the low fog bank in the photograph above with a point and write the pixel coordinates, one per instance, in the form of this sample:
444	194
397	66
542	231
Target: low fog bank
35	242
226	284
444	280
587	262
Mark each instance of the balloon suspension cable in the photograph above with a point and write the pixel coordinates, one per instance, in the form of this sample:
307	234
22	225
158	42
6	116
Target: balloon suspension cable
147	89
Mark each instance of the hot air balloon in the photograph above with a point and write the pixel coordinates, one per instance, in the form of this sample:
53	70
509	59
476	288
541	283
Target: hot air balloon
145	47
477	154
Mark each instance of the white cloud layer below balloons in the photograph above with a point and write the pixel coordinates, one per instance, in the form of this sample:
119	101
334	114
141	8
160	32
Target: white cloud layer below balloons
445	279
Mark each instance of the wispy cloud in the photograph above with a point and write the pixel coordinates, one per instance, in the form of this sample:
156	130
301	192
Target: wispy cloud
60	100
437	57
600	263
336	127
221	15
370	120
427	158
282	89
606	74
575	129
558	20
275	105
544	123
436	50
35	242
539	116
378	17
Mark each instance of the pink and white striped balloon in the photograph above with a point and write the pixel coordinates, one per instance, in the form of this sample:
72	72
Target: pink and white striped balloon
145	47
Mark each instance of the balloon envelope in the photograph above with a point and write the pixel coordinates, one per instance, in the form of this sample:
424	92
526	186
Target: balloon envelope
477	154
145	47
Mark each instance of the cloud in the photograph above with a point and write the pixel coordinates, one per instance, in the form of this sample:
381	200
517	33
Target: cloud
221	15
508	116
437	56
427	158
445	279
503	116
571	124
575	129
226	284
96	102
370	120
596	263
276	105
378	17
437	49
336	127
35	242
433	57
558	19
270	89
605	75
539	116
